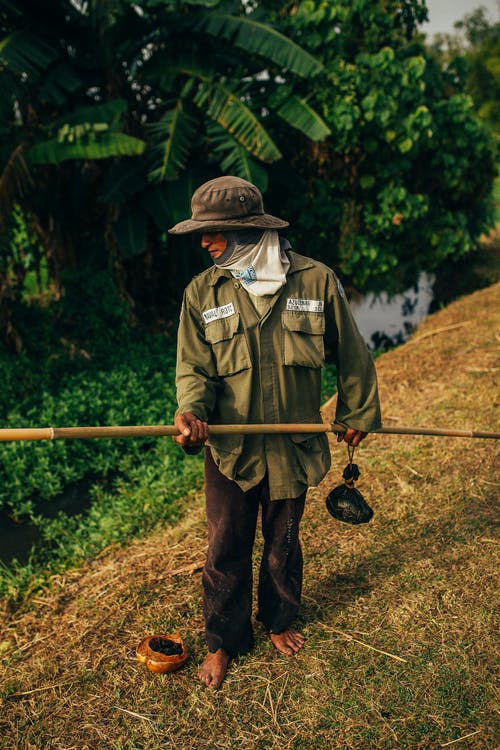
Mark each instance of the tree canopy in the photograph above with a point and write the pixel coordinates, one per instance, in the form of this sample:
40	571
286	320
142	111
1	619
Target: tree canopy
404	180
473	51
112	113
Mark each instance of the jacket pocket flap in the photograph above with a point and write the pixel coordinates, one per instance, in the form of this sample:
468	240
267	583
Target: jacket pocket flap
226	443
303	322
220	330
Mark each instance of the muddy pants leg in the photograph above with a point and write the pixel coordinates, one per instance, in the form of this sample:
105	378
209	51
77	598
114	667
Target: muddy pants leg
227	575
280	579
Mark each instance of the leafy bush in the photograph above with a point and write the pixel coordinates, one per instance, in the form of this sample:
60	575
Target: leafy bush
110	374
404	181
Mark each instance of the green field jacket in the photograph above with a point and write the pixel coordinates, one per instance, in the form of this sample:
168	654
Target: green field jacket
236	365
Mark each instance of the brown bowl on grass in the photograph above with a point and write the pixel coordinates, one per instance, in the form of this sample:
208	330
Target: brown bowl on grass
162	653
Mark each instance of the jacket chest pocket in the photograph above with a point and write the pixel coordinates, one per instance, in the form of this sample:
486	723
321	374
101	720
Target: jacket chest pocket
303	339
229	346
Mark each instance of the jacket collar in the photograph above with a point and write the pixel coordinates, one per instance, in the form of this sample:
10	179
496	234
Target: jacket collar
297	263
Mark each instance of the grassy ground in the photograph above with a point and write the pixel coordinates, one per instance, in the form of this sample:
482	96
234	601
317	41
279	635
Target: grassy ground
399	615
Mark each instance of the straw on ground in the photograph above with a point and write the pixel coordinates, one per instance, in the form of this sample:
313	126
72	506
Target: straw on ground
419	583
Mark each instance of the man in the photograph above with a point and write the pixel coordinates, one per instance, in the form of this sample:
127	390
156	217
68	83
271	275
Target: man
251	346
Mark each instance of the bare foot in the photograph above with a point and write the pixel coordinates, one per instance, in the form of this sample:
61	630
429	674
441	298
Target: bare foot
289	642
214	668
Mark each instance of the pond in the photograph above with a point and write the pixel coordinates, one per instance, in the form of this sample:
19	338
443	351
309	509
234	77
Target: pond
17	538
387	321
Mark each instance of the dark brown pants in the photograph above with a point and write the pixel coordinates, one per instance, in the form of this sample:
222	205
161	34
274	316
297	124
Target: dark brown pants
227	575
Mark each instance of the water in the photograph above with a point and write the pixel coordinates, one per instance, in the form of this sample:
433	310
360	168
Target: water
18	537
386	321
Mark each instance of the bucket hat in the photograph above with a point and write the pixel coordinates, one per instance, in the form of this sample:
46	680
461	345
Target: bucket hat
227	203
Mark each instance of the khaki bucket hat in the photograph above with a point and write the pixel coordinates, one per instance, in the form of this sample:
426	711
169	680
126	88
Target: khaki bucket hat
227	203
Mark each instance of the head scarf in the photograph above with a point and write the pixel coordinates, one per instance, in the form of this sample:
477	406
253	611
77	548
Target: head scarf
257	259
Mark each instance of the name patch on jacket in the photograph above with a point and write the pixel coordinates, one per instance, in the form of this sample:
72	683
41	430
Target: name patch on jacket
298	304
218	312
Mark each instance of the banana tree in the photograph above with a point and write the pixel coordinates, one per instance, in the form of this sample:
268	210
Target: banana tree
112	113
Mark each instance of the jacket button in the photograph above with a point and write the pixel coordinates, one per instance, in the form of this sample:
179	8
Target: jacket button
236	285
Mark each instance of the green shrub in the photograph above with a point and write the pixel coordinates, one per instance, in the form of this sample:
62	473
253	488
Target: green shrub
404	182
88	368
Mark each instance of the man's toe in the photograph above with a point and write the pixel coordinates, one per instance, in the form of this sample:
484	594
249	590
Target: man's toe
204	677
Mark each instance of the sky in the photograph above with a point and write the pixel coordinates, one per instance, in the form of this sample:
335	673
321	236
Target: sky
444	13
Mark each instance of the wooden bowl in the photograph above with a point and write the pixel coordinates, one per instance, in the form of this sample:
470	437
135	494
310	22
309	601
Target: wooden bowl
149	652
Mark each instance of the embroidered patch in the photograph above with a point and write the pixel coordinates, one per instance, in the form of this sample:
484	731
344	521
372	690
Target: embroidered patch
298	304
216	313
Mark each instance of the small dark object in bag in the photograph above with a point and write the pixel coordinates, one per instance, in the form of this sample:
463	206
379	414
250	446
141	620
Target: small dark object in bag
346	503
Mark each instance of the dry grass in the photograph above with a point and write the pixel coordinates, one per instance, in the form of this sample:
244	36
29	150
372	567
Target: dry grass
417	583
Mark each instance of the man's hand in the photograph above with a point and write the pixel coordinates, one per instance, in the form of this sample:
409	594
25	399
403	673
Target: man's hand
193	431
351	436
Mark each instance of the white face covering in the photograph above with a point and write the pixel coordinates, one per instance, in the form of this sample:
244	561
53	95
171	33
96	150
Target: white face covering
260	265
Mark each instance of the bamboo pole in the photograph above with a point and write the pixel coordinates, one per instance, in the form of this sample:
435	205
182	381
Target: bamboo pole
67	433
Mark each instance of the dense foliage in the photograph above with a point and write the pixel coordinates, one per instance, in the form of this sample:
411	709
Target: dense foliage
473	51
111	113
112	375
404	181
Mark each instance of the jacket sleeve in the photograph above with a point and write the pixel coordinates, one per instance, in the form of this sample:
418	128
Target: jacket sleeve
196	375
358	403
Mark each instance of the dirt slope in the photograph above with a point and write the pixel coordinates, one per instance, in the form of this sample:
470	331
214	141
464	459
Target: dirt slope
399	614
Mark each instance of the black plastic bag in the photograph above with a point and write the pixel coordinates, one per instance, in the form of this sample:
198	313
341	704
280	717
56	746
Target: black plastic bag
345	502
